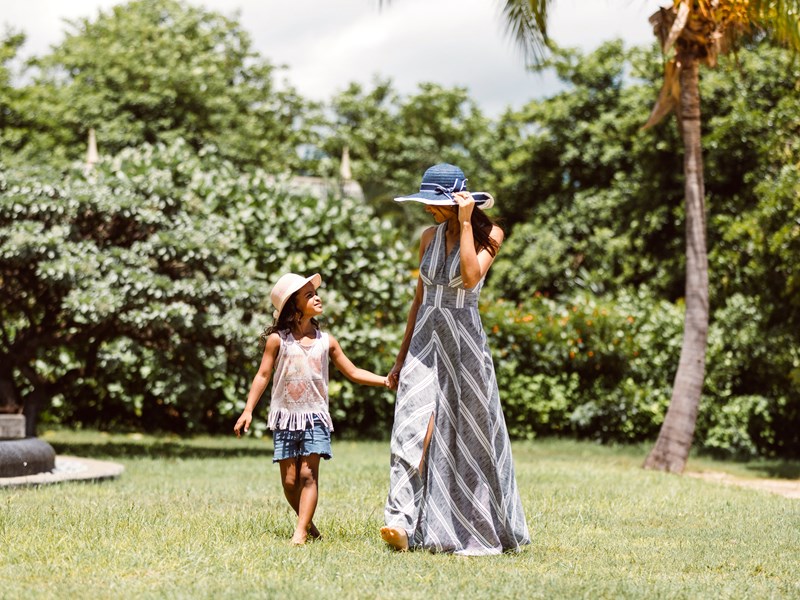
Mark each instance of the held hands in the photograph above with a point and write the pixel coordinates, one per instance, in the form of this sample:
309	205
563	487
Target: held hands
466	204
243	424
393	377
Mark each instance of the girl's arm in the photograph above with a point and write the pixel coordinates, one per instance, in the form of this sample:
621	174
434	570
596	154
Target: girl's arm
349	370
260	382
394	374
474	265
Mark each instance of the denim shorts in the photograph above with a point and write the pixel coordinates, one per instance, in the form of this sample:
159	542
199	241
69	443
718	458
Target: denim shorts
311	440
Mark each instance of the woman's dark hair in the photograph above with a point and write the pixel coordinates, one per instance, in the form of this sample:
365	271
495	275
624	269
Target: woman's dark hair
481	231
290	315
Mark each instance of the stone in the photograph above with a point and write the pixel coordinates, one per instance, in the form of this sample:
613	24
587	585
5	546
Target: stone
68	468
12	427
26	457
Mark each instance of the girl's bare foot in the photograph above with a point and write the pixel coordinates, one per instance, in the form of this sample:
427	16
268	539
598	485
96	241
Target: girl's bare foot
396	538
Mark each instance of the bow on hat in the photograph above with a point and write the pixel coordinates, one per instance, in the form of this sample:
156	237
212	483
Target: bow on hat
458	186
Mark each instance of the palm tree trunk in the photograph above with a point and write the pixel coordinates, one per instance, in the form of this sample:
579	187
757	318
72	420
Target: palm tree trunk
675	438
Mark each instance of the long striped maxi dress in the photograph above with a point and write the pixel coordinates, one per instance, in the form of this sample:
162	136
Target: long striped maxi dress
466	499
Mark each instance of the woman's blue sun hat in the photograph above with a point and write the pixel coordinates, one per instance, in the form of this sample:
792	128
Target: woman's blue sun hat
440	183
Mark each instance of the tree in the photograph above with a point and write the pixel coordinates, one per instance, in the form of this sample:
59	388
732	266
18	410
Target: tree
595	206
114	270
699	30
591	201
152	71
135	298
11	118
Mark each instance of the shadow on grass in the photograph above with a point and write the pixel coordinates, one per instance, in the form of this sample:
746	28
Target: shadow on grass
166	449
777	469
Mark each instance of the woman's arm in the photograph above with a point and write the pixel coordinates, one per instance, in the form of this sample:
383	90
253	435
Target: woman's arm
394	374
474	265
349	370
260	382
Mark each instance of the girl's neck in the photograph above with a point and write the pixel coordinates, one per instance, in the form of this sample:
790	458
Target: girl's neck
305	328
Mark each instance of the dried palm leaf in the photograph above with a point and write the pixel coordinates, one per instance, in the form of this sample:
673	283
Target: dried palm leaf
668	97
678	25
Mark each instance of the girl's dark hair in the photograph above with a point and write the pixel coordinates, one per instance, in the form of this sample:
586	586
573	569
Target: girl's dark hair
290	315
481	230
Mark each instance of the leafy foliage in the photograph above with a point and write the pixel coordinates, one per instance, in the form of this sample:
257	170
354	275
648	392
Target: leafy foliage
136	297
598	211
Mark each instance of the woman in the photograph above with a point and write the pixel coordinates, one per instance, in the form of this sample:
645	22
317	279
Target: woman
452	483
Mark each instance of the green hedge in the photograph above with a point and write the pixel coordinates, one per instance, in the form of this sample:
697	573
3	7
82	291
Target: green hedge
602	368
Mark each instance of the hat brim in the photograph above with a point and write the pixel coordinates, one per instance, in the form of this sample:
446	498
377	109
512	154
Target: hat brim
315	279
481	199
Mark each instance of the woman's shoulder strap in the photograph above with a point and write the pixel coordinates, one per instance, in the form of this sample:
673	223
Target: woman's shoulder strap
426	238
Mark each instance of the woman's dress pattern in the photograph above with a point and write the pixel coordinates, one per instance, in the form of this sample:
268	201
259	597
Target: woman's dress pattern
466	499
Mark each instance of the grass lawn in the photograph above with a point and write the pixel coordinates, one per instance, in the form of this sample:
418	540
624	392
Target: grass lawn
206	518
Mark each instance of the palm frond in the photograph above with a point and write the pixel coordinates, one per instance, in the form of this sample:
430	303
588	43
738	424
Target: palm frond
780	18
526	23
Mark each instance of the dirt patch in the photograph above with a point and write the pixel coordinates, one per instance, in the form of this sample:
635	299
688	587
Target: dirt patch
784	487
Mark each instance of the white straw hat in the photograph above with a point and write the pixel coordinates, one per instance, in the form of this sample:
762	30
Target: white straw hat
287	285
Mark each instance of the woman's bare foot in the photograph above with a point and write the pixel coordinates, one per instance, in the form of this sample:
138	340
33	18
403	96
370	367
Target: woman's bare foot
299	538
314	533
396	538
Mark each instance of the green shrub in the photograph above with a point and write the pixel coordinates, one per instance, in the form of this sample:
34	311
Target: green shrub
135	298
589	366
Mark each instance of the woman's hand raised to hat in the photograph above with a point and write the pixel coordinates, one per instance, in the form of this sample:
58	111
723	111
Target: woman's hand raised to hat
466	203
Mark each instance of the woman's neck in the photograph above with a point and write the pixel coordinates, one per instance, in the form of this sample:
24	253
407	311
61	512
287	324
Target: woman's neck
453	227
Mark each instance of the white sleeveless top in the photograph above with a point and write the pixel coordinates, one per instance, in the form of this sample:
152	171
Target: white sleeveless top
300	384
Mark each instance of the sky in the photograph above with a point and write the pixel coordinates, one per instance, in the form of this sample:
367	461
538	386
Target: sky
326	44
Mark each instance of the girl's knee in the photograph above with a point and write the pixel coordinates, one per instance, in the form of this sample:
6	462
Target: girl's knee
289	482
289	475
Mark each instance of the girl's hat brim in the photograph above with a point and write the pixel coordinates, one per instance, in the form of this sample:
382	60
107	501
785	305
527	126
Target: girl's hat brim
286	286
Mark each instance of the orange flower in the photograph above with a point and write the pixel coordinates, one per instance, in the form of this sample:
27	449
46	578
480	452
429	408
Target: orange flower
527	318
495	329
631	319
572	355
590	354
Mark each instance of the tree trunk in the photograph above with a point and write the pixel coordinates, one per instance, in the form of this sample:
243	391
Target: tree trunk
34	403
671	450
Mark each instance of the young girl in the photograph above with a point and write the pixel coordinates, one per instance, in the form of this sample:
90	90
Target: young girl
298	413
